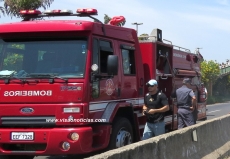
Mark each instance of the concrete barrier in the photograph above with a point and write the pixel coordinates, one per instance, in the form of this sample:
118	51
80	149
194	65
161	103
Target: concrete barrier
207	140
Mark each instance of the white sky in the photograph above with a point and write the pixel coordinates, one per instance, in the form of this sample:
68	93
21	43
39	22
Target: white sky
187	23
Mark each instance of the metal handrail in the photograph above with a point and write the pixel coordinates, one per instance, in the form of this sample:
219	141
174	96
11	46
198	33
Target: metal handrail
168	41
182	48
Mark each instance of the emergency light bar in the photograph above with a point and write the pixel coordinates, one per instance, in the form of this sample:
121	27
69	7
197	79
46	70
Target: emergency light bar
88	11
58	12
30	12
33	14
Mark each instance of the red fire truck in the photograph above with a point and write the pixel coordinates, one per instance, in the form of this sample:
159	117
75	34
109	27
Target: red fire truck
75	86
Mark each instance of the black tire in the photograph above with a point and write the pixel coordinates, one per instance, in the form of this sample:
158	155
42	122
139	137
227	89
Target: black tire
203	119
121	127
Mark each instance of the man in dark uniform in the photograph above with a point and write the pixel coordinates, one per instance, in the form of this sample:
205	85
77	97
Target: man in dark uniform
155	104
186	103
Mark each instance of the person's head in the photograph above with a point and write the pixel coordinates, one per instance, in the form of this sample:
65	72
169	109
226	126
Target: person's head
152	85
187	81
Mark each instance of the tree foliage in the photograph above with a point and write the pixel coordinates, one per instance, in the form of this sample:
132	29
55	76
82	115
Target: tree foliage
143	36
222	86
2	10
106	19
12	7
13	62
210	72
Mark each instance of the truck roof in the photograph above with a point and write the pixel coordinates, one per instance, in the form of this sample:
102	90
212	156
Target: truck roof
9	29
46	25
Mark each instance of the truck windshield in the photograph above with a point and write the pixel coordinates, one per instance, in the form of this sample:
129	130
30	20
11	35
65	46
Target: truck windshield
65	58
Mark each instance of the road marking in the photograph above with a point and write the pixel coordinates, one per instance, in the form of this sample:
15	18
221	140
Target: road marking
213	111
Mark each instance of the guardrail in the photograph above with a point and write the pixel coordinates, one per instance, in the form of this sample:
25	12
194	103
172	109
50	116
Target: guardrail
206	140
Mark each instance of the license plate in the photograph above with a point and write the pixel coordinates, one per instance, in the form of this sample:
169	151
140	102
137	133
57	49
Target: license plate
22	136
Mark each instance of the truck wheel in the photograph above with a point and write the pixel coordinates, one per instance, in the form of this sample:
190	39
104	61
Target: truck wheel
122	133
203	119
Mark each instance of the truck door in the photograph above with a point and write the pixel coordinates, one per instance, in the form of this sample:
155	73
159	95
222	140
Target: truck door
104	86
128	71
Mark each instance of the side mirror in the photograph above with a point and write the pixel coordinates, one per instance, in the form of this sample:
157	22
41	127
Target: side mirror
112	65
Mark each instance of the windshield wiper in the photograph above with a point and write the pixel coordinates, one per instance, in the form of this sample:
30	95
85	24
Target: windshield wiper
51	76
7	78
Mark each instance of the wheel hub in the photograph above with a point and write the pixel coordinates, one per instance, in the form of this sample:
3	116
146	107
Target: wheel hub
123	138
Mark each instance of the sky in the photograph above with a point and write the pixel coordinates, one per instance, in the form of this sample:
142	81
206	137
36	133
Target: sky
189	24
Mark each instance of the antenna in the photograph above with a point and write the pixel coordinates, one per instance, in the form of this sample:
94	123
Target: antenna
197	50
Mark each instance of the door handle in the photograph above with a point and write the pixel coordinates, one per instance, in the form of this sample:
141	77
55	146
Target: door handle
118	92
141	82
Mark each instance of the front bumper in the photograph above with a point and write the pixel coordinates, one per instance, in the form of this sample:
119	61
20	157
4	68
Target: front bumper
47	141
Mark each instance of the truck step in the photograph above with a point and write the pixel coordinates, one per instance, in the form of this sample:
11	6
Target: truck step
141	126
139	113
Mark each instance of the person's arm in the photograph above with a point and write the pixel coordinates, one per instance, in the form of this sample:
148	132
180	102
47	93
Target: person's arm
173	94
144	108
160	110
193	103
193	106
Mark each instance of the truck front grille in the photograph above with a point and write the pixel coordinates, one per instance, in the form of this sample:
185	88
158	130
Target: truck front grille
26	148
28	121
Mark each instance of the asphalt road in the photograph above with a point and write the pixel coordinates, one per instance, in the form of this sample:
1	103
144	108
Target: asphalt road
214	111
217	110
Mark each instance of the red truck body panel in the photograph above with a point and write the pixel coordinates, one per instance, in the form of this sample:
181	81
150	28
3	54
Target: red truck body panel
41	93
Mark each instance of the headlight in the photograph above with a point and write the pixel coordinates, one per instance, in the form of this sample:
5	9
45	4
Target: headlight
65	146
74	136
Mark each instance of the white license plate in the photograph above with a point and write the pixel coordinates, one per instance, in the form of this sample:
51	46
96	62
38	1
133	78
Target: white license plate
22	136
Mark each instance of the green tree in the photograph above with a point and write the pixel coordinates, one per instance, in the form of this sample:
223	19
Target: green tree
222	86
2	10
145	36
106	19
13	62
13	7
210	71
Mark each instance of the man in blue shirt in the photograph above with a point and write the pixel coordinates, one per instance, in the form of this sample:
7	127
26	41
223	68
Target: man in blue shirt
186	103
